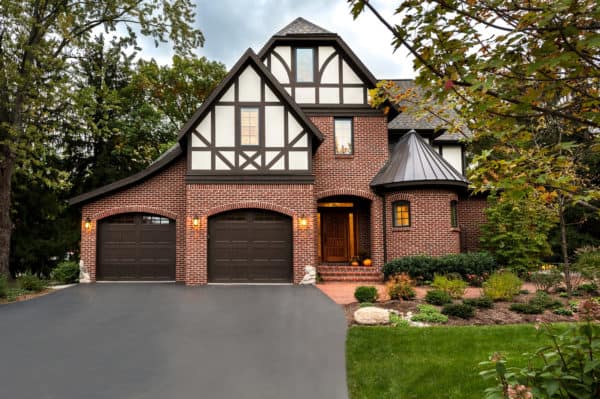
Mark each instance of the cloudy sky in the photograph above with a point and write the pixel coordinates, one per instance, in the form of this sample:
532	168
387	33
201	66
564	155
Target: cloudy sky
231	26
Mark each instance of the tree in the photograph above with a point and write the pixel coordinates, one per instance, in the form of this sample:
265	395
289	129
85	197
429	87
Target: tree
525	77
38	39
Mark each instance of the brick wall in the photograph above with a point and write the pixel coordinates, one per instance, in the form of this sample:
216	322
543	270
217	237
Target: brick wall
205	200
430	232
162	194
471	215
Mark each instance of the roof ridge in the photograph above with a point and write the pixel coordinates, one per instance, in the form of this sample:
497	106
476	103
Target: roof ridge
301	26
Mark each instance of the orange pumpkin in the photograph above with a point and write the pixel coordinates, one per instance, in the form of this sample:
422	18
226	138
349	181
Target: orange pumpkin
367	262
354	263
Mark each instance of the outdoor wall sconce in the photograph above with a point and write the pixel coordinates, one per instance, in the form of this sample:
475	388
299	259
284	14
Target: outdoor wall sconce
87	224
195	222
302	222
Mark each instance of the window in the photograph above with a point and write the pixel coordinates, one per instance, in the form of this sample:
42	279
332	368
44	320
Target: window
454	213
249	126
343	136
305	65
148	219
401	214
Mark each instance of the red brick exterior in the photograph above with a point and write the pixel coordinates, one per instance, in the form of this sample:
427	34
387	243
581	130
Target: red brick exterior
162	194
471	216
430	231
167	194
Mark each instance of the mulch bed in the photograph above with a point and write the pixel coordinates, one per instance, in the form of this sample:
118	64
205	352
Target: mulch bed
499	314
27	296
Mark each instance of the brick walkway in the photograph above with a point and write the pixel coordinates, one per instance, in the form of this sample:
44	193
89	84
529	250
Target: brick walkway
343	293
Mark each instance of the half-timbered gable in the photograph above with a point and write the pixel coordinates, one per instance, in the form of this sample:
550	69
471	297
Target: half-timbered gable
250	129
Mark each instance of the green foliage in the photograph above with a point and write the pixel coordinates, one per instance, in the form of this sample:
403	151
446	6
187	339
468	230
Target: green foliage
588	263
422	268
563	312
429	314
570	367
545	301
516	232
366	294
546	280
502	286
31	282
588	288
526	308
459	310
366	304
481	302
66	272
3	286
438	297
400	287
398	321
454	286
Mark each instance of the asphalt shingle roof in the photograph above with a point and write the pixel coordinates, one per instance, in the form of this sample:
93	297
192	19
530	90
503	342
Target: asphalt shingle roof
413	162
300	26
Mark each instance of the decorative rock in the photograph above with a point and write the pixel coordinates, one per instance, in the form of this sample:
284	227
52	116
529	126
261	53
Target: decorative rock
371	315
84	276
310	276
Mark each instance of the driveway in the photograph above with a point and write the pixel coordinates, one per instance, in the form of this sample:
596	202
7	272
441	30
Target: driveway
167	341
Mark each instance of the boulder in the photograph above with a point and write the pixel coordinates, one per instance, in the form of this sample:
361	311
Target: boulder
371	315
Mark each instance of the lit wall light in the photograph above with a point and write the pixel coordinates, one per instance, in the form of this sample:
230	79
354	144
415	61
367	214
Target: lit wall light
195	222
302	222
87	224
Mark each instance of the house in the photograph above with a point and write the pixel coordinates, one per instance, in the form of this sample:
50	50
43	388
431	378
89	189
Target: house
285	165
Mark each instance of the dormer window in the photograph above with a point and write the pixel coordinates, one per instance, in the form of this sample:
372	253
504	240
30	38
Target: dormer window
305	68
249	126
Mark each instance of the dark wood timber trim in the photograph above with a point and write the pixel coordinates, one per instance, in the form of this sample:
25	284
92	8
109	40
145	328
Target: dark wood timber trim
249	179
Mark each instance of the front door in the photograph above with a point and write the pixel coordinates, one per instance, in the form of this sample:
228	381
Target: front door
335	236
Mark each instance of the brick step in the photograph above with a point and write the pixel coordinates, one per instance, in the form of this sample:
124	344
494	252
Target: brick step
350	273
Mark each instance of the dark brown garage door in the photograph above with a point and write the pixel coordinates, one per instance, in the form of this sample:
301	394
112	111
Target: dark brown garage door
250	245
136	246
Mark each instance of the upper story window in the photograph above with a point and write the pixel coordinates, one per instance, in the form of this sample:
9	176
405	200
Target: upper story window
305	65
249	126
454	213
401	214
343	132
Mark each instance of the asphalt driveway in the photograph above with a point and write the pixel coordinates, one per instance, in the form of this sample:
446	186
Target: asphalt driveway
167	341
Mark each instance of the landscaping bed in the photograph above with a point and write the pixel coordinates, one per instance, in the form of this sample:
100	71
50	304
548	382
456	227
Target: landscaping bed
19	295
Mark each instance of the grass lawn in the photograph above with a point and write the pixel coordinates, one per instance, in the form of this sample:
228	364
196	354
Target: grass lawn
434	362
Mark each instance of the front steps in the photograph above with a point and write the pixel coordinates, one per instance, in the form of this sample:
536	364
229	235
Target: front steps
350	273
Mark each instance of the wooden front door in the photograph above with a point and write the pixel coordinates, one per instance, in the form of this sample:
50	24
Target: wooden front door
335	236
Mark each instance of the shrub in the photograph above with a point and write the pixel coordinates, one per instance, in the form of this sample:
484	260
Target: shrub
526	308
544	301
423	268
589	288
66	272
400	287
398	321
3	286
438	297
31	282
481	302
546	280
429	314
502	286
563	312
366	304
570	366
366	294
459	310
453	285
588	263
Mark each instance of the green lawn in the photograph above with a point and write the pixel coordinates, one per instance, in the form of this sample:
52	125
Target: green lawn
430	363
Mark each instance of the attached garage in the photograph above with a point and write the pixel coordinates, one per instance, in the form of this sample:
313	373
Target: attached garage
136	247
250	245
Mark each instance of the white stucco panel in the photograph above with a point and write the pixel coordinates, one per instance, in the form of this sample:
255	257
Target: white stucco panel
279	164
348	74
294	127
279	71
201	160
228	155
269	95
354	95
298	160
249	85
453	154
305	95
203	129
324	53
302	141
224	126
229	94
274	126
331	73
285	52
220	165
329	95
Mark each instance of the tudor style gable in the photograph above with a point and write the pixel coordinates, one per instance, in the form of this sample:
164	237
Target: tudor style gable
249	130
316	67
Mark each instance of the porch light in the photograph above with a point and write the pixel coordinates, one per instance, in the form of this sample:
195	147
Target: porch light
87	224
196	222
302	221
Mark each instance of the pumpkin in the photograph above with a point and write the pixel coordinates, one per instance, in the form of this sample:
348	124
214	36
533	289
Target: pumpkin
354	263
367	262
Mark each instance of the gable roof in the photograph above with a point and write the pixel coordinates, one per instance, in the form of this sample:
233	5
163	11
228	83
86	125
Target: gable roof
413	163
409	120
250	58
301	26
168	157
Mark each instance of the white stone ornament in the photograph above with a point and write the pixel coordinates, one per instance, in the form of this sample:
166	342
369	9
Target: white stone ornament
310	276
84	276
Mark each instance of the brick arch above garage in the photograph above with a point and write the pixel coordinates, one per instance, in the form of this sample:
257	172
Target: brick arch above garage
346	191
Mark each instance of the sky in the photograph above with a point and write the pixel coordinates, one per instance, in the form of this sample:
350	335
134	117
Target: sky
231	26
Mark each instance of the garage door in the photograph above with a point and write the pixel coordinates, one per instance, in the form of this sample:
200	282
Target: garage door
136	246
250	246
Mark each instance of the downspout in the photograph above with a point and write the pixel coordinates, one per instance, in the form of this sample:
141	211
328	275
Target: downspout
384	224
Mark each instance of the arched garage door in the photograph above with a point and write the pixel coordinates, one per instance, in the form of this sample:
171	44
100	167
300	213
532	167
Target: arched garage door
250	245
135	246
